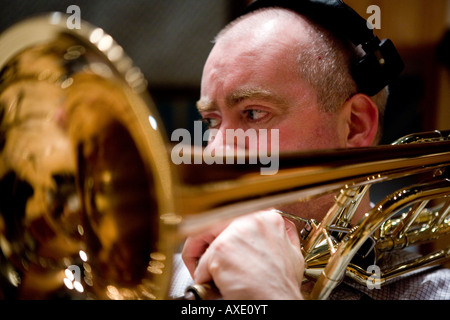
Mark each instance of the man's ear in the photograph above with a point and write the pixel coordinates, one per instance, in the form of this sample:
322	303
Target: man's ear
362	121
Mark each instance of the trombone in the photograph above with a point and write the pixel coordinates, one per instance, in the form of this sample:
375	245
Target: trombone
92	206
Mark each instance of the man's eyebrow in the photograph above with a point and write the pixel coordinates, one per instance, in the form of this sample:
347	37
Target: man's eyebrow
204	105
253	93
240	95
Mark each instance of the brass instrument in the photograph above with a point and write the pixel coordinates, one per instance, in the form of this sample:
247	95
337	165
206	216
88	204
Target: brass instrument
92	206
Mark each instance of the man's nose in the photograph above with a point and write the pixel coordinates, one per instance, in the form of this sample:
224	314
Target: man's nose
226	141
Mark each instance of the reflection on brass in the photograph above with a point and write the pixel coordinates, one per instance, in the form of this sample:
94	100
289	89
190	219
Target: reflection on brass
77	174
92	207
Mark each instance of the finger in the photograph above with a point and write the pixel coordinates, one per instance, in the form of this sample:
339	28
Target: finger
195	246
292	232
202	273
192	251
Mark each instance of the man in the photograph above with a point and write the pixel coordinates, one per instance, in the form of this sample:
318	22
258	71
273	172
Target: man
276	69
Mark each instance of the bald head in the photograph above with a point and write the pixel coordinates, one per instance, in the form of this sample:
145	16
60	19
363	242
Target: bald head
255	48
321	59
281	49
267	25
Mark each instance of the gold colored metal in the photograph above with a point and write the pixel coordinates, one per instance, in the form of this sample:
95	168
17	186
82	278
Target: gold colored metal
83	166
91	205
376	225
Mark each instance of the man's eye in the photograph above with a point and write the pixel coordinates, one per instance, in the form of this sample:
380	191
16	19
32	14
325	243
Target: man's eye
255	115
211	122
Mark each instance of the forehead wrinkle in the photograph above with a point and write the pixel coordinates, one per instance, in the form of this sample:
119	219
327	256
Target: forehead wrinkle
236	97
253	94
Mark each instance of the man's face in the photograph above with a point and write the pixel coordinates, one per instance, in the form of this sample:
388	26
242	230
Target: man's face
252	82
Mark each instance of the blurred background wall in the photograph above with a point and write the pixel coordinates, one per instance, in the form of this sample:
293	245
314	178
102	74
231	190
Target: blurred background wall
170	40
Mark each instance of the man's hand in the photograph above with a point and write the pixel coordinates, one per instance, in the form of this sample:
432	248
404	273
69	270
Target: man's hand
256	256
